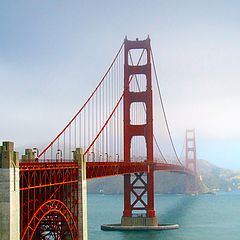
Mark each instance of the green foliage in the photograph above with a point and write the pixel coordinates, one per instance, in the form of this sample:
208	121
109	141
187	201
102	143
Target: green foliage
213	178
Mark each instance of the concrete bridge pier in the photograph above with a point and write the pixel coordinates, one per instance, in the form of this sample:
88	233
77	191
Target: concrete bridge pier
9	193
82	195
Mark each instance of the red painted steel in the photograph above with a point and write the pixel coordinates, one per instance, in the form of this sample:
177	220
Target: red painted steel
49	187
48	193
48	200
99	170
191	161
145	130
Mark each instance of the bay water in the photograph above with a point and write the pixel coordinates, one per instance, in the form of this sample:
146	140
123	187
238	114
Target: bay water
202	217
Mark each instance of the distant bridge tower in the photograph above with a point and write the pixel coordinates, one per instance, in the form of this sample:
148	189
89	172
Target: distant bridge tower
191	161
136	186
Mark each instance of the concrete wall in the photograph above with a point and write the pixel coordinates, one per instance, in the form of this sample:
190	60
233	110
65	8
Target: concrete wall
82	195
9	193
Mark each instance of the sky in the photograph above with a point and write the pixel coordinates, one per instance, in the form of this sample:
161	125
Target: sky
49	50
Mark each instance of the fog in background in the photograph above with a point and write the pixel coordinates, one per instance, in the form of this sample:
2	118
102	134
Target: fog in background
53	54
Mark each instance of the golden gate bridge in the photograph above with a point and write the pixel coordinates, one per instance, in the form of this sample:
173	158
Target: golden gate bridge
112	134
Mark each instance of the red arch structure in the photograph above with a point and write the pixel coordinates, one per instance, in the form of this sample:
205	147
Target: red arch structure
53	218
49	202
48	193
104	127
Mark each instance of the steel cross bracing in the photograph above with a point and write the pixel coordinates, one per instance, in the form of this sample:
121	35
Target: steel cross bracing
134	128
115	128
48	193
95	170
48	196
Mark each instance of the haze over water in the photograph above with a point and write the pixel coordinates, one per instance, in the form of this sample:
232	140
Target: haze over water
49	50
203	217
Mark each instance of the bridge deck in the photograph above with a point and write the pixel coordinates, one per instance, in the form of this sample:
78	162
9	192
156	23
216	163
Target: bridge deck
103	169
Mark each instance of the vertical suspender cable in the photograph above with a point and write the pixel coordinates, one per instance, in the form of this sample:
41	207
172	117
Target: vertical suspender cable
163	109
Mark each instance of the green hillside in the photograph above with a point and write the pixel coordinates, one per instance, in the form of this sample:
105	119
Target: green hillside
211	178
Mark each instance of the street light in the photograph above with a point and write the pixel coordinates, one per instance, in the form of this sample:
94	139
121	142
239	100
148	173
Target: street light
88	154
93	156
36	151
106	155
59	155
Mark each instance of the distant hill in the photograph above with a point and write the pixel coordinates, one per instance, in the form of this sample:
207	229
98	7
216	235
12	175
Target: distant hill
211	178
217	178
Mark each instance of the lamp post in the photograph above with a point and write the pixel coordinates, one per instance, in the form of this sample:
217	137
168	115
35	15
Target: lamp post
36	151
59	155
107	156
93	156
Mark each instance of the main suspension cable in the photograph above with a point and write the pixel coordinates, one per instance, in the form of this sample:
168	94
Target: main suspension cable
111	113
144	107
163	108
83	107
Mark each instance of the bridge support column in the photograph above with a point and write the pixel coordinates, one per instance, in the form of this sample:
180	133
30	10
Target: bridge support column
9	193
29	156
138	211
191	162
82	195
139	197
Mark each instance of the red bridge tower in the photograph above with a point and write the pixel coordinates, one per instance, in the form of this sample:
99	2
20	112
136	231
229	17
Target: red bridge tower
138	209
191	159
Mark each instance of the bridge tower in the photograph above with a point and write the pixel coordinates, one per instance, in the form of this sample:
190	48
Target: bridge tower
138	210
191	161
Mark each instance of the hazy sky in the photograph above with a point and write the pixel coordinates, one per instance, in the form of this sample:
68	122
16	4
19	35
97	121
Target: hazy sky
49	50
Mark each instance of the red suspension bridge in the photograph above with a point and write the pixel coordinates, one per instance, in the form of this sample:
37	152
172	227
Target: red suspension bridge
116	131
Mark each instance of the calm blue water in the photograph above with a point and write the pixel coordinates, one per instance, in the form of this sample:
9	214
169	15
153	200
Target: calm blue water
205	217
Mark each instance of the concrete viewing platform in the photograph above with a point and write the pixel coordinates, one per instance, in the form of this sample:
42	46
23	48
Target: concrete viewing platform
119	227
